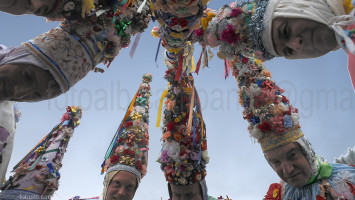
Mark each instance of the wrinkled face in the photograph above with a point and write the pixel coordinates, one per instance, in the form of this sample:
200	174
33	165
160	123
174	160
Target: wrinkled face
186	192
26	83
122	186
290	164
296	38
19	7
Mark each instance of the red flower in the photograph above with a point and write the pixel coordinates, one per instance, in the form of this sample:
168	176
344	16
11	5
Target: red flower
120	140
274	192
285	100
169	178
114	159
38	166
171	126
318	197
249	116
139	165
126	152
128	124
265	126
245	60
197	177
204	145
132	153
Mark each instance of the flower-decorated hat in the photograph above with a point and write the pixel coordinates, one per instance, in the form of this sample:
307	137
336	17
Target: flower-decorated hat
273	121
92	34
245	27
128	150
184	155
38	172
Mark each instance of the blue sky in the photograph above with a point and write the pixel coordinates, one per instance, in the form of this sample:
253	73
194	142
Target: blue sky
320	88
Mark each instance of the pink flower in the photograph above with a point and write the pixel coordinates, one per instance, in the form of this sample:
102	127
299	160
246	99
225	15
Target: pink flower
199	32
228	35
236	12
65	117
278	124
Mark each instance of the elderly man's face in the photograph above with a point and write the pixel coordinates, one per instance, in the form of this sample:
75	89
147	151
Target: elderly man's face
26	83
290	164
122	186
296	38
186	192
19	7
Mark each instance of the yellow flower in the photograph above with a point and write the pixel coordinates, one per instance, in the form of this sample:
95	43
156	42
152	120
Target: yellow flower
205	21
40	150
275	193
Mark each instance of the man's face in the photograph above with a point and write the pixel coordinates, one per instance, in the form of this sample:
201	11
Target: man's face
186	192
19	7
21	82
122	186
290	164
296	38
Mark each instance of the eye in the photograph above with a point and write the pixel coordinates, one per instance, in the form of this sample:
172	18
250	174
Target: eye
292	156
289	51
285	32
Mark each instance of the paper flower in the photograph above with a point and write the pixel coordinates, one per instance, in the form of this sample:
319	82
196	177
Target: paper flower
173	149
274	192
228	35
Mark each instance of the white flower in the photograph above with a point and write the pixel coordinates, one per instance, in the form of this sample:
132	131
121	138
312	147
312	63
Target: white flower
205	156
255	132
341	186
139	109
255	90
295	118
173	149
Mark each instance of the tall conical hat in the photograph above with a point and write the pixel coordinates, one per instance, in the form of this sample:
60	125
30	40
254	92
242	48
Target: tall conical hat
38	171
128	150
184	154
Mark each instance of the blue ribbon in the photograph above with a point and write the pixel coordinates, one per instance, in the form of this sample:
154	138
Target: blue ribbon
156	55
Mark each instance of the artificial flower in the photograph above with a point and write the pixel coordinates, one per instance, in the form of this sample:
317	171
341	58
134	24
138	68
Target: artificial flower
228	35
265	126
274	192
114	159
205	156
173	149
236	12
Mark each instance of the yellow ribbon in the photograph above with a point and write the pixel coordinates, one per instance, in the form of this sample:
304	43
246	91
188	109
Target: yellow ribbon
191	108
161	106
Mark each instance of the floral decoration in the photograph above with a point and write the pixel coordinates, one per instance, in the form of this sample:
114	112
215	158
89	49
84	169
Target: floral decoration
42	164
131	141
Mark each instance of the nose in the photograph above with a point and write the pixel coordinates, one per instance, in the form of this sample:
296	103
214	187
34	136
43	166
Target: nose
287	168
295	43
121	192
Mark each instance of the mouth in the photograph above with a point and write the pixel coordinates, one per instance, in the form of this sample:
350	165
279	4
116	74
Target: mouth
293	175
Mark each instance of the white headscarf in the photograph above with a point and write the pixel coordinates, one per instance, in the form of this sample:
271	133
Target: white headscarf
328	12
